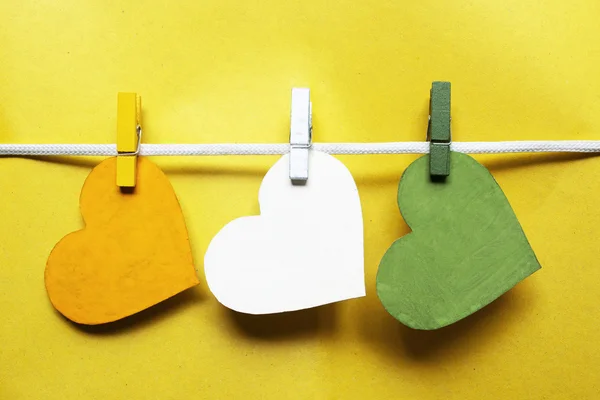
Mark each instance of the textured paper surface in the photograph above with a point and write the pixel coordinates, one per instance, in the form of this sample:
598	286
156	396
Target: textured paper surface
304	250
466	247
133	253
218	71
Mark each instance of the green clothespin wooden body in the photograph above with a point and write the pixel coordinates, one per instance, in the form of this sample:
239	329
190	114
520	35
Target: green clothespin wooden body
438	131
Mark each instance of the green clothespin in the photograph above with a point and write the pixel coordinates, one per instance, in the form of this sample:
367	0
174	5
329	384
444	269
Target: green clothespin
438	131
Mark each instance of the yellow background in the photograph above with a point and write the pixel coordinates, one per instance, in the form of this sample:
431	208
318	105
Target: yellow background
221	71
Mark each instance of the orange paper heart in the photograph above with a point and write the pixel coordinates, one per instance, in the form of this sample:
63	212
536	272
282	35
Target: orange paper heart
133	253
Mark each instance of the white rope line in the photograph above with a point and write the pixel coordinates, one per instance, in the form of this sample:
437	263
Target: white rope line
540	146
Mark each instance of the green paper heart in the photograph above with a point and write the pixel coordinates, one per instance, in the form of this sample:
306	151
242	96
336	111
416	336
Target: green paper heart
466	248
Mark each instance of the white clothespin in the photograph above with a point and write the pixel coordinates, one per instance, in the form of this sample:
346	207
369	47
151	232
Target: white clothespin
300	135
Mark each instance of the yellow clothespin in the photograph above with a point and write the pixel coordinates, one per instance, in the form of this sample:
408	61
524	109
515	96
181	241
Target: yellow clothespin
129	137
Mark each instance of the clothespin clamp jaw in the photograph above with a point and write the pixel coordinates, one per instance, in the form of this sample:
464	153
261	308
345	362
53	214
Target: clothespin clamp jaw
129	138
300	135
438	130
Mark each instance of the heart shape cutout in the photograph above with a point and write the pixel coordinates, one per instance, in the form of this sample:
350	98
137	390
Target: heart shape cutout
465	250
133	253
304	250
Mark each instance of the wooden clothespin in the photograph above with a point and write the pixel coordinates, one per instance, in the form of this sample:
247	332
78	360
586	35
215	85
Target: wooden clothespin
438	131
300	135
129	137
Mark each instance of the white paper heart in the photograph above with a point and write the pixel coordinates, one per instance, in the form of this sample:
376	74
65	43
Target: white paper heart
303	251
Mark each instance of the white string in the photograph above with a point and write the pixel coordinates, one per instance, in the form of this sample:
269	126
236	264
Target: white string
540	146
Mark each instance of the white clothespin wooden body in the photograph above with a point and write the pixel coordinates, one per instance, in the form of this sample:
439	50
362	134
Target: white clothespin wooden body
300	135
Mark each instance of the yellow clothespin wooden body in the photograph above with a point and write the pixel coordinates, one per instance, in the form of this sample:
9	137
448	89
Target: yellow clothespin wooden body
129	135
